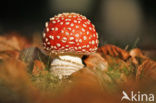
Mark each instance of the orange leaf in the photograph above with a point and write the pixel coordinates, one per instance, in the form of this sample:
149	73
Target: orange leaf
95	61
113	51
38	67
146	71
12	42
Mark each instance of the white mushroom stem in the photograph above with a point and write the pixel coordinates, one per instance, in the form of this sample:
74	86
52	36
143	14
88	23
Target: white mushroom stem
65	65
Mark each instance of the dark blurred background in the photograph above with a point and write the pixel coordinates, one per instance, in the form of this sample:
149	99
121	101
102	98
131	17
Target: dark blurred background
119	22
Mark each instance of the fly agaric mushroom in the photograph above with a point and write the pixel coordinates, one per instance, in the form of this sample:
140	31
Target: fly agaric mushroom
67	37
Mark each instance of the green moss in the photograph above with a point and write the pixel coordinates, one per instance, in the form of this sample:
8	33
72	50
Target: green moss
49	82
117	73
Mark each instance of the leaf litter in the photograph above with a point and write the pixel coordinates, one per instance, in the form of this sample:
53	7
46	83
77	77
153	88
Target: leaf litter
25	76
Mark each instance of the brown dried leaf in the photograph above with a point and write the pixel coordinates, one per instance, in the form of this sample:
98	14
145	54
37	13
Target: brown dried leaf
136	52
95	61
38	68
137	56
29	55
13	74
12	42
12	70
87	85
91	79
9	54
113	51
85	77
10	45
147	71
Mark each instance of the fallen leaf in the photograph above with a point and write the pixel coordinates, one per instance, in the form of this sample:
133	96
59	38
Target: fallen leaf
87	88
28	55
95	61
9	54
14	76
113	51
86	74
11	44
137	56
38	68
13	41
136	52
147	71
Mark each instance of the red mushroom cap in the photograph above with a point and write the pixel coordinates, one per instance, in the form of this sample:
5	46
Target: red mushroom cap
70	33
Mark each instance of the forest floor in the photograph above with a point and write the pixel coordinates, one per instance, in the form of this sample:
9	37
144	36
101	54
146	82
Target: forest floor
25	76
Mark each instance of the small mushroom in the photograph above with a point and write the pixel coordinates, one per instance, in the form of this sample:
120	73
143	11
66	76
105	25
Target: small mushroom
67	37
